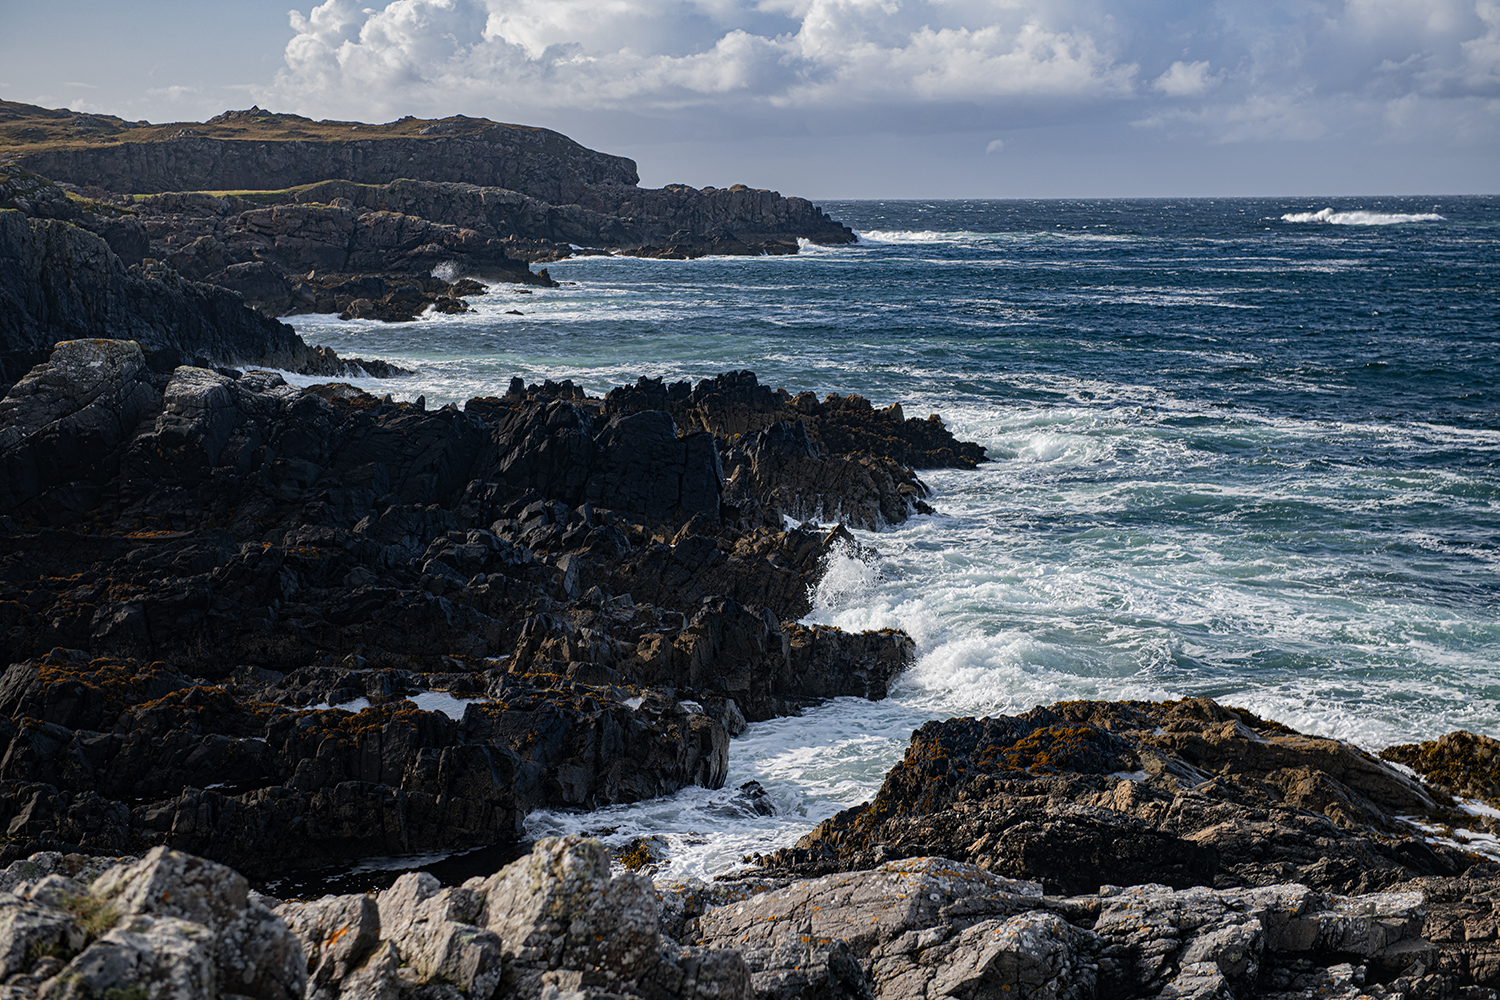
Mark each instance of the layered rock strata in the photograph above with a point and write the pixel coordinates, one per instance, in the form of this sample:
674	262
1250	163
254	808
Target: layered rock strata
356	200
198	565
256	149
321	258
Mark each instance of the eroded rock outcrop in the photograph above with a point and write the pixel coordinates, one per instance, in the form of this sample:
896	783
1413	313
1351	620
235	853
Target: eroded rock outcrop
1180	793
559	923
839	459
351	201
932	927
198	566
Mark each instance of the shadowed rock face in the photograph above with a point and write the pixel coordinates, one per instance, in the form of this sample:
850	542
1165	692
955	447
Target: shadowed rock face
197	564
59	282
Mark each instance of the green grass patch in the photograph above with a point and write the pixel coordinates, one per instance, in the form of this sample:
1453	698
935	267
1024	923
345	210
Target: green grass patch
95	916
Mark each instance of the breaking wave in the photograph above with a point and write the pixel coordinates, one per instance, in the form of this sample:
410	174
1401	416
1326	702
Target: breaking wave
1361	218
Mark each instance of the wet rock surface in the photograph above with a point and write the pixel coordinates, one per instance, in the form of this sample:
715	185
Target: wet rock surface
199	568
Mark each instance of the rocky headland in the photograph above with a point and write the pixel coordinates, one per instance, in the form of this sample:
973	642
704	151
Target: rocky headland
371	221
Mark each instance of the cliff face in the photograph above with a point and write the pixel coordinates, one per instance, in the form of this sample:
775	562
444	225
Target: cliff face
607	217
502	181
305	216
256	150
60	282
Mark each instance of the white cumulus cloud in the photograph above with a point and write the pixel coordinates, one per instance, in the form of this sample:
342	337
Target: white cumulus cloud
1237	70
667	53
1184	79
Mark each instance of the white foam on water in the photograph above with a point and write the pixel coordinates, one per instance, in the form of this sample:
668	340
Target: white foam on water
1361	218
1125	541
441	701
427	701
830	758
355	705
878	237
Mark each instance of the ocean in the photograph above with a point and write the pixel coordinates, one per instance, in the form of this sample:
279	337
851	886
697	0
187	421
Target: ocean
1240	448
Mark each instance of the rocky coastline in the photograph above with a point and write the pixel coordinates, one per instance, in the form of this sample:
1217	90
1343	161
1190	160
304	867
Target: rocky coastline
369	221
200	567
222	597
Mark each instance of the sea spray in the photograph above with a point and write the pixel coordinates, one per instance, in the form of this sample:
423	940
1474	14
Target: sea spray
1237	450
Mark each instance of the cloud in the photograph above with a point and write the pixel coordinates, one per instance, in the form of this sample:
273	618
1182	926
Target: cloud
1237	70
1184	79
669	53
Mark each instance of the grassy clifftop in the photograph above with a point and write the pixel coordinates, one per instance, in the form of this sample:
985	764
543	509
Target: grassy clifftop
26	128
256	149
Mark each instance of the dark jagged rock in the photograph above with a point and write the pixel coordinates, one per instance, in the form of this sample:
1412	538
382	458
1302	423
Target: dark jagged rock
309	257
737	404
840	459
780	467
63	277
59	282
198	561
269	264
1181	793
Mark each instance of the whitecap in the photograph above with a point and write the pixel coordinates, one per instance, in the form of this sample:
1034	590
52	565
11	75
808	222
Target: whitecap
1361	217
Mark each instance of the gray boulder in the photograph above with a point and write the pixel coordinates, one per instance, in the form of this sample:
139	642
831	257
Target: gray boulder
338	934
866	934
251	950
928	928
554	924
162	958
434	932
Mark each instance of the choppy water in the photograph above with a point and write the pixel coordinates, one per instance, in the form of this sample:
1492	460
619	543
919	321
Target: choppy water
1244	448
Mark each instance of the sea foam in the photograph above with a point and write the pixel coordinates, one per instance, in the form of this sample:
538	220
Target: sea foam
1361	218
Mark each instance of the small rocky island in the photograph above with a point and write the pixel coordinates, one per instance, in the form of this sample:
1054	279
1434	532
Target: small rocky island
200	562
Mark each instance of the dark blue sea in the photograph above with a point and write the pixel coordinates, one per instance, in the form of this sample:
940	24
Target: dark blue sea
1244	448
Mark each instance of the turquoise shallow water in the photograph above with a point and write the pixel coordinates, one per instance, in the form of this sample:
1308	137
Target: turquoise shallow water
1242	448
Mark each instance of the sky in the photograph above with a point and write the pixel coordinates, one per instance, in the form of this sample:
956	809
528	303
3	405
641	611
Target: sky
842	98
